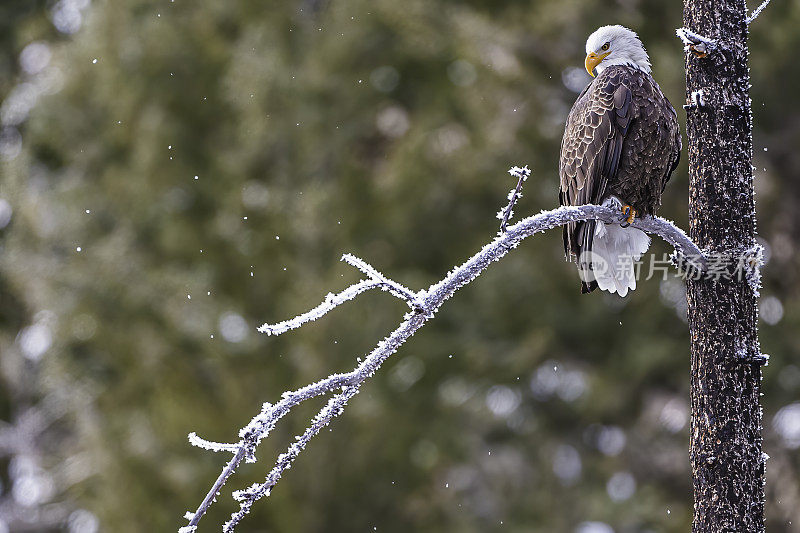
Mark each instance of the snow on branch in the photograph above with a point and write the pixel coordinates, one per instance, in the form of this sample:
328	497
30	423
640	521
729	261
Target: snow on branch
757	12
700	45
404	293
194	440
693	42
342	387
376	280
331	301
515	194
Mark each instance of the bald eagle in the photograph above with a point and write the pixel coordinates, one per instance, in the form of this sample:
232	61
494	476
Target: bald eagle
620	146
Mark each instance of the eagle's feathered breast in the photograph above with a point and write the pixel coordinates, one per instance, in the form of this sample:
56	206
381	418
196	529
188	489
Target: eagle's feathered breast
621	138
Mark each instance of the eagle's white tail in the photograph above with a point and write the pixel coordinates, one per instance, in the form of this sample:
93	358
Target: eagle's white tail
614	252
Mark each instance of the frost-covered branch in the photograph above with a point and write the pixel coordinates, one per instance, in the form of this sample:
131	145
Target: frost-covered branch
194	440
376	280
515	194
248	497
757	11
397	289
425	304
700	45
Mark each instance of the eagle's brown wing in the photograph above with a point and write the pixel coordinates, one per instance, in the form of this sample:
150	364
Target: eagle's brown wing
590	153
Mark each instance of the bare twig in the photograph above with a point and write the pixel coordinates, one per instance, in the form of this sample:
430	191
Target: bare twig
514	194
345	386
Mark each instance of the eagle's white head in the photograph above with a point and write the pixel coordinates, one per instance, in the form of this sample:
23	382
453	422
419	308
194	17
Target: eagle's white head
615	45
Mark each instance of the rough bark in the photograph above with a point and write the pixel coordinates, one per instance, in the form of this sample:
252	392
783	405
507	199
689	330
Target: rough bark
725	441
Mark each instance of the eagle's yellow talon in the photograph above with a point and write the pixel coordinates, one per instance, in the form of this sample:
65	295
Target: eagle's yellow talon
629	213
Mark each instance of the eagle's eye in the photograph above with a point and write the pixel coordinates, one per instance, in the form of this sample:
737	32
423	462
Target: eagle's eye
604	47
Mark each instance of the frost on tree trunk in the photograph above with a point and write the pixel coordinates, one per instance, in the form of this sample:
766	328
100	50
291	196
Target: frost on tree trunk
725	441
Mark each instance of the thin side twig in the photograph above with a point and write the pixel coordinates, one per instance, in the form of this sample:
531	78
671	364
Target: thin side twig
522	174
330	302
757	11
200	442
395	288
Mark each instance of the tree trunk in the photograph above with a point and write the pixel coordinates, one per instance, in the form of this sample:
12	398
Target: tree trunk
725	440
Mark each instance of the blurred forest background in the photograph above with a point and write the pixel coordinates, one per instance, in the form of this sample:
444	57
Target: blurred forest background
176	173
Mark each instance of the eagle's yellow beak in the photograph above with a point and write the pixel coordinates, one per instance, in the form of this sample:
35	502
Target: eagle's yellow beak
592	60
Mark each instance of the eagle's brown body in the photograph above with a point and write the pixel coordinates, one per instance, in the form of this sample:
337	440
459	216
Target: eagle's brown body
621	138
